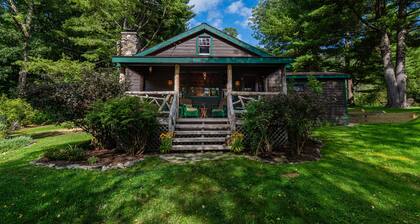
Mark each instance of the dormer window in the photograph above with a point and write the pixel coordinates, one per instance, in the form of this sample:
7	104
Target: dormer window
204	45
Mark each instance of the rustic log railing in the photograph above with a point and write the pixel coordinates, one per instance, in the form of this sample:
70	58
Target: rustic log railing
243	98
163	99
173	113
231	112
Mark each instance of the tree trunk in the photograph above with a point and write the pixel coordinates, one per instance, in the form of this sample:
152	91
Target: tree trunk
401	77
23	73
389	72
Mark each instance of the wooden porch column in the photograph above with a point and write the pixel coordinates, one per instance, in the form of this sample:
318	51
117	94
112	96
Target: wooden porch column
176	86
231	113
283	80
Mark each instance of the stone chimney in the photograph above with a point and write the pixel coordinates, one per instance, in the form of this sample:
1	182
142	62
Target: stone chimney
128	45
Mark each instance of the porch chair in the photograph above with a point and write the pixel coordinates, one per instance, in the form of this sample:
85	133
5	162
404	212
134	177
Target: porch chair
221	110
187	110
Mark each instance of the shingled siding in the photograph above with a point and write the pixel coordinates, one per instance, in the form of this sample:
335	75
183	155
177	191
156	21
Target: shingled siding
334	93
187	48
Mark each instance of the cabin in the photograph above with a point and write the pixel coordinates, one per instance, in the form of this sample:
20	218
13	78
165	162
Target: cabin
201	81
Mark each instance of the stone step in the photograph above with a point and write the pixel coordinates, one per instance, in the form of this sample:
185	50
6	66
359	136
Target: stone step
199	139
218	132
202	120
203	126
199	148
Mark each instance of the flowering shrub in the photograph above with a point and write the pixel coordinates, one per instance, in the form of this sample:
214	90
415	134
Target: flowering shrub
236	142
166	141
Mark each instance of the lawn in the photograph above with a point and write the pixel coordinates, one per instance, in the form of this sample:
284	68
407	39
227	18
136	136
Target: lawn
368	174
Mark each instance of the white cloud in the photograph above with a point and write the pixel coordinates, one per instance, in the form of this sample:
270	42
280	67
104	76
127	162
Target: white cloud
204	5
239	8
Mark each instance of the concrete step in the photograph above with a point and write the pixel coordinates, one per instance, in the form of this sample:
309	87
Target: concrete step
199	139
202	120
218	132
203	126
199	148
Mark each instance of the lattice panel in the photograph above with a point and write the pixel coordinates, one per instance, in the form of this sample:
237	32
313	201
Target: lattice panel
154	142
278	137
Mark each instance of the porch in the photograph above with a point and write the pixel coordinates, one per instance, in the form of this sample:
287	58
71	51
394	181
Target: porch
203	91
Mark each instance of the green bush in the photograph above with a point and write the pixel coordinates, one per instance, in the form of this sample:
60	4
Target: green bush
15	112
69	153
3	129
92	160
14	143
123	123
299	113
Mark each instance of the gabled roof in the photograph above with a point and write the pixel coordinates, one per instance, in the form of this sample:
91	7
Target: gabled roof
209	29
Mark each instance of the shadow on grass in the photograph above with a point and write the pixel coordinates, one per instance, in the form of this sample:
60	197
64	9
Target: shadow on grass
346	186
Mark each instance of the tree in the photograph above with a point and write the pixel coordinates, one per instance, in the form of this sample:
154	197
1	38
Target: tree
356	40
22	17
231	31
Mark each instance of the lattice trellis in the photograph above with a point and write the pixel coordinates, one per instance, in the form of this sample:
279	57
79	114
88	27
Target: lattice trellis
278	136
154	141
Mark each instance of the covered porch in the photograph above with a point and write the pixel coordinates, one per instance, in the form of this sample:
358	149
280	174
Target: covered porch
203	90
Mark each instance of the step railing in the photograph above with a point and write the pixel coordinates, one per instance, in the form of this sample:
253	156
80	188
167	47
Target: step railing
173	113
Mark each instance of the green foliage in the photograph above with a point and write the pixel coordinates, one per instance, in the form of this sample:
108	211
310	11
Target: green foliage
299	113
231	31
166	142
68	153
69	101
92	160
124	123
15	112
3	129
315	85
413	73
237	142
14	143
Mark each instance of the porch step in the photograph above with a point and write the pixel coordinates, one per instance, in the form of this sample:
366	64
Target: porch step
219	132
202	126
199	148
199	139
202	120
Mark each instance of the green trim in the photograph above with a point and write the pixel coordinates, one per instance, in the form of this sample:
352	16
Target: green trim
337	76
211	30
200	60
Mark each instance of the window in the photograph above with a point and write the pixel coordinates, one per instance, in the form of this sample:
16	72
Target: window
204	45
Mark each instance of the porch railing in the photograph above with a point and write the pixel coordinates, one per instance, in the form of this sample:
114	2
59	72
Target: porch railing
237	101
167	102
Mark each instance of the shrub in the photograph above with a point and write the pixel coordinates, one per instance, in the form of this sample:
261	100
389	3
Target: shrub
3	129
166	142
236	142
15	112
71	100
14	143
299	113
124	123
92	160
69	153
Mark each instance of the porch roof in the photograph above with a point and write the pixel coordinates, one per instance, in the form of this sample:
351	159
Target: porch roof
199	60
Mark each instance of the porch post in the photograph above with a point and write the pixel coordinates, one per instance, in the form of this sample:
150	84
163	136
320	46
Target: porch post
176	86
231	113
283	80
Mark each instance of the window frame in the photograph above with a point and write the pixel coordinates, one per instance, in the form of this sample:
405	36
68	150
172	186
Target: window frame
210	45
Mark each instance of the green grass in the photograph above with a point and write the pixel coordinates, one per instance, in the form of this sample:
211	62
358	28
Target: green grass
388	110
368	174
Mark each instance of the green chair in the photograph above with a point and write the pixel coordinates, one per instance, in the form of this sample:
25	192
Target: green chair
188	111
220	110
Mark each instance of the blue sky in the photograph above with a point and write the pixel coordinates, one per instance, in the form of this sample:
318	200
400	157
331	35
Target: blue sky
226	13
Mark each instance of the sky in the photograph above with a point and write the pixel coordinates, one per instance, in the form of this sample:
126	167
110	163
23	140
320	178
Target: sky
225	13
